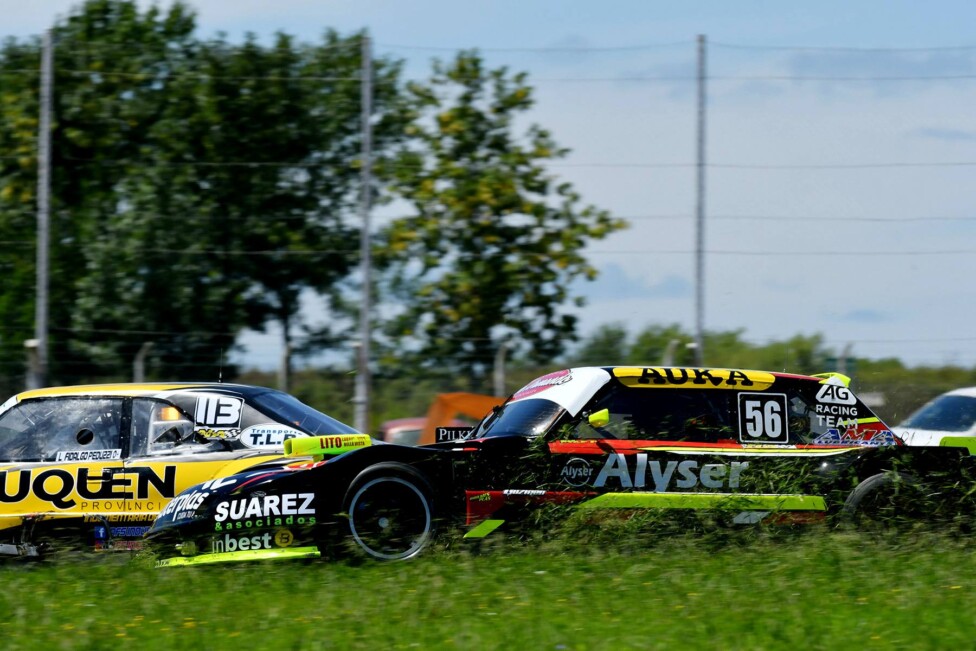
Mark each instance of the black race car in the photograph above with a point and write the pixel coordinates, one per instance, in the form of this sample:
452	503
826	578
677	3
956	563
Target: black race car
755	445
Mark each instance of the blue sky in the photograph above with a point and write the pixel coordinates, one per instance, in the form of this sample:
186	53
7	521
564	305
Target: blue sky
841	148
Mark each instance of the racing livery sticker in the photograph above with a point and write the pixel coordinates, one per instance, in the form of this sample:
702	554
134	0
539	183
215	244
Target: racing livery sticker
444	434
763	418
835	394
667	475
700	378
218	434
119	538
283	538
229	543
111	486
851	436
265	511
269	436
543	383
88	455
576	472
184	506
218	411
835	415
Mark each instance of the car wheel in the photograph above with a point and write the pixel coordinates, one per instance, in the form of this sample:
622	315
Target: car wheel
59	543
886	501
391	514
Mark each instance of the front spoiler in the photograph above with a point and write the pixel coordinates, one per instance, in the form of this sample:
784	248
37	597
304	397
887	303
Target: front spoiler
289	553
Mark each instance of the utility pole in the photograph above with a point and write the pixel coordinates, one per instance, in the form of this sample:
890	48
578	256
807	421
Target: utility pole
37	373
139	362
700	214
361	398
499	370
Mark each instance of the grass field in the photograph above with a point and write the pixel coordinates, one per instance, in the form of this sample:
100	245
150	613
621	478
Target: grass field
818	590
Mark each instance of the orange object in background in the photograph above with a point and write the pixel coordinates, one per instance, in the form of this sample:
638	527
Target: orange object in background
443	412
447	406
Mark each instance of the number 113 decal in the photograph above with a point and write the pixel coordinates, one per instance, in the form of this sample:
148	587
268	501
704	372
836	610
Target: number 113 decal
763	418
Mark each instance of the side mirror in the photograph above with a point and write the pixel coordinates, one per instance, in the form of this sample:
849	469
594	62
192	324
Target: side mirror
172	435
599	418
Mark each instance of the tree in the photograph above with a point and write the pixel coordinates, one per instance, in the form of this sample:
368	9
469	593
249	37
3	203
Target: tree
668	345
198	187
293	113
607	346
107	59
671	346
494	241
19	64
122	84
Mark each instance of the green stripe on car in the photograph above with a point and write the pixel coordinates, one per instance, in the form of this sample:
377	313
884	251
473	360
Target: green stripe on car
737	501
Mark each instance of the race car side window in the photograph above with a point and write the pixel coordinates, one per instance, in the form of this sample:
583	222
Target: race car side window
803	421
161	428
51	429
660	414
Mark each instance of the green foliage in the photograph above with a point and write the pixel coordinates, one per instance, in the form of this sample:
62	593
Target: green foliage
814	590
671	345
495	241
606	346
906	389
18	183
198	187
201	187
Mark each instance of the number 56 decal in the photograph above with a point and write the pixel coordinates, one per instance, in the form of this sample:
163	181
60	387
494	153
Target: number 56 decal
763	418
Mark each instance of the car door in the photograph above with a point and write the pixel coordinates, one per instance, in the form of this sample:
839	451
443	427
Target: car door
648	440
62	461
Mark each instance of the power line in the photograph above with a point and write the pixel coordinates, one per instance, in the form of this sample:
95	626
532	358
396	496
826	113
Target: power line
828	48
256	252
647	252
840	166
550	49
86	47
165	76
545	162
834	78
795	219
785	219
771	166
153	76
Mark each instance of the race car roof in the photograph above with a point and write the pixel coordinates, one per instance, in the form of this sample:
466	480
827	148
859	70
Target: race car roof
571	388
963	391
133	389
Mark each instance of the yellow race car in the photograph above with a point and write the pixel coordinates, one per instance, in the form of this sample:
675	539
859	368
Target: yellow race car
90	467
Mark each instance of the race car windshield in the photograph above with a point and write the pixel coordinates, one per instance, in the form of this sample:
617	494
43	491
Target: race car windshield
945	413
288	409
522	418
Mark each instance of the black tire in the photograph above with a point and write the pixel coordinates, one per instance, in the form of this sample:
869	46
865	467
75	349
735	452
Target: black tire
60	543
886	501
391	513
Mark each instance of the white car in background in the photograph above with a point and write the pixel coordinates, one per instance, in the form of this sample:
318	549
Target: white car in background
951	414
